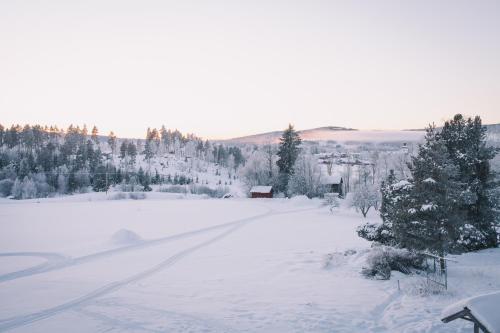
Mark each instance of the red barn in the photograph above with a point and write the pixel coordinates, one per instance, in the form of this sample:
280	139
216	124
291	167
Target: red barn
261	192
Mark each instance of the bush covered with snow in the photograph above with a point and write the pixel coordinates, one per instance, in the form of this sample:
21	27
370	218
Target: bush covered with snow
137	195
196	189
331	200
174	189
376	232
6	187
205	190
381	260
118	196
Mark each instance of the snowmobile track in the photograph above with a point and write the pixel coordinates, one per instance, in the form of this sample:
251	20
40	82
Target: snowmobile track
19	321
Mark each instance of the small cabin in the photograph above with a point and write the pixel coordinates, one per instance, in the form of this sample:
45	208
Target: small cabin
334	184
261	192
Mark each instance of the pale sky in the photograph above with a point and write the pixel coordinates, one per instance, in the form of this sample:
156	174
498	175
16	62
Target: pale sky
230	68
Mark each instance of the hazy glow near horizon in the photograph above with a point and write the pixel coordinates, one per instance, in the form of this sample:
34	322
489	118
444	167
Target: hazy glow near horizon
231	68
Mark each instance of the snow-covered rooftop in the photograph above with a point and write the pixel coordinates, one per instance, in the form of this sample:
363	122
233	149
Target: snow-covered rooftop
261	189
331	179
485	308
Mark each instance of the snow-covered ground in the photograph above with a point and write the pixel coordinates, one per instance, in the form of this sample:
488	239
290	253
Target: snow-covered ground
88	264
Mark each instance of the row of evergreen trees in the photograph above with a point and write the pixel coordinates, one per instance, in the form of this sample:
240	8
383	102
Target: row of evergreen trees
450	203
36	161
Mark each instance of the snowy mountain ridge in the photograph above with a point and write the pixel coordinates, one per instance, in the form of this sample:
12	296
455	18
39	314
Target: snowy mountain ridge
343	134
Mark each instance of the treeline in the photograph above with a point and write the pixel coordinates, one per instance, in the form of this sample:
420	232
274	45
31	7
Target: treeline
39	161
450	201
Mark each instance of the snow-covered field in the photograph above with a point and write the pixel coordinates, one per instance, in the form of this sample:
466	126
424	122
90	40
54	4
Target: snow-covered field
164	264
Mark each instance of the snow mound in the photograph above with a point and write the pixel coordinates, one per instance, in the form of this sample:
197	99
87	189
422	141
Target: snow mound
125	237
300	200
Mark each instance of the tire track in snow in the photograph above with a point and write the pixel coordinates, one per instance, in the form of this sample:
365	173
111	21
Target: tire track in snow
52	260
18	321
57	262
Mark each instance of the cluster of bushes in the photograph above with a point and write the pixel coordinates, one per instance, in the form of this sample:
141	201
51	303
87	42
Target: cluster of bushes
383	259
130	195
196	189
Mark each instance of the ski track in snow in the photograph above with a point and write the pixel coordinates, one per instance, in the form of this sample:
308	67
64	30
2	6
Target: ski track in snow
52	259
22	320
56	261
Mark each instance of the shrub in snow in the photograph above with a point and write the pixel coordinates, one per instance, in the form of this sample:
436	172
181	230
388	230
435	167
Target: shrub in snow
6	187
28	188
337	258
174	189
131	186
137	195
16	191
43	189
381	260
376	232
331	200
118	196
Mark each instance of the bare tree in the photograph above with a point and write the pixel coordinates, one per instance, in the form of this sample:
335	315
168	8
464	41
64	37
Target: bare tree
364	198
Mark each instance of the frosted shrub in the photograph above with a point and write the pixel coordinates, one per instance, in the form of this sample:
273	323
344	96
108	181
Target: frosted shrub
6	187
118	196
131	186
205	190
28	189
383	259
174	189
331	200
376	232
137	195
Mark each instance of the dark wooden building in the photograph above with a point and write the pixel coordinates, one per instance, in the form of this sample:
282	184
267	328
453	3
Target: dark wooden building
261	192
334	184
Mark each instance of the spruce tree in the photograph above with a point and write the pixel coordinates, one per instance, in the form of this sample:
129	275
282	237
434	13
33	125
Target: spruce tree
94	135
288	152
465	140
433	222
112	142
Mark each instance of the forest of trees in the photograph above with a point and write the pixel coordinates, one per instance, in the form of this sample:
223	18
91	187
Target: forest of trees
40	161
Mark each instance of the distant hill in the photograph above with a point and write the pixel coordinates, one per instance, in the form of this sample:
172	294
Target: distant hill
335	133
343	134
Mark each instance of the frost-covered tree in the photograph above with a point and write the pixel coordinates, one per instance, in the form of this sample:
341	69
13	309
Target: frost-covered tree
255	171
112	142
365	196
306	177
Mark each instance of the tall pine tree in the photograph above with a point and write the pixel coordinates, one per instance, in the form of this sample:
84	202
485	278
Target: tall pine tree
288	152
465	140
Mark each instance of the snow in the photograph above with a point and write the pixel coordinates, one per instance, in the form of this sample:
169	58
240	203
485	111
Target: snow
485	308
429	180
211	265
401	184
331	179
125	237
426	207
261	189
